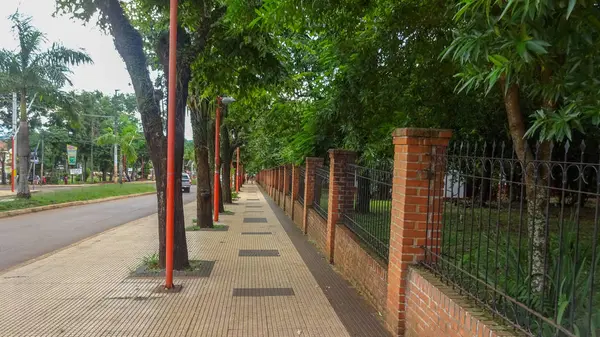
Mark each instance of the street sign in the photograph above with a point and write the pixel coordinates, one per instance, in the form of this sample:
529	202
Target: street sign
72	154
75	171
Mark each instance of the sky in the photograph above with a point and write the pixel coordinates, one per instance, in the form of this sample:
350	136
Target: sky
106	74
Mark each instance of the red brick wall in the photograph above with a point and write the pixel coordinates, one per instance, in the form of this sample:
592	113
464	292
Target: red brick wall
363	270
298	212
436	310
317	229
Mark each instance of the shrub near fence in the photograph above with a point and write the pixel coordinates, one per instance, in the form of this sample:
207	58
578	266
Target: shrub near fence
526	249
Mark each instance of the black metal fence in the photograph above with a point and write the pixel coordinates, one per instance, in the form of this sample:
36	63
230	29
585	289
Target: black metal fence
288	181
370	215
302	177
321	192
520	233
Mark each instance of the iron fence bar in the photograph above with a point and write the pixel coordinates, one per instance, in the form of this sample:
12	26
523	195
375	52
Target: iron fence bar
548	253
594	250
510	195
321	182
561	230
489	220
370	215
301	184
480	217
497	238
483	303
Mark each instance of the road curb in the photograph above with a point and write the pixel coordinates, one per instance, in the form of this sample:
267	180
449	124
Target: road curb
58	250
16	212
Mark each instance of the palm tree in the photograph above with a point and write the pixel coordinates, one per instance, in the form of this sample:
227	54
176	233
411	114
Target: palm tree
127	133
30	70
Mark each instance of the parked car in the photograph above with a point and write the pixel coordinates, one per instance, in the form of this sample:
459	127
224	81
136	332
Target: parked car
186	183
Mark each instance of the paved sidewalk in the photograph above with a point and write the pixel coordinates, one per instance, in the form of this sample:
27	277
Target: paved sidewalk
85	289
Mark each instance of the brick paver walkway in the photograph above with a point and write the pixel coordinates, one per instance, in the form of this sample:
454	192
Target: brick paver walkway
85	289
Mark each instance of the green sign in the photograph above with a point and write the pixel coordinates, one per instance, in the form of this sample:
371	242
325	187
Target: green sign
72	154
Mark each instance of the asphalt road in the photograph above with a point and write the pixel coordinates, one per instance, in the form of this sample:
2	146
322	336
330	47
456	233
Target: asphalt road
31	235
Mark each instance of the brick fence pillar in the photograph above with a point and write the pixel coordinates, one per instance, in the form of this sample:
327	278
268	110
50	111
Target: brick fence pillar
340	193
270	182
286	169
280	184
276	190
295	185
273	180
309	187
412	163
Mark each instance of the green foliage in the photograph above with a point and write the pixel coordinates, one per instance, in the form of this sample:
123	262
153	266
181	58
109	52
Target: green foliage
548	48
355	72
127	133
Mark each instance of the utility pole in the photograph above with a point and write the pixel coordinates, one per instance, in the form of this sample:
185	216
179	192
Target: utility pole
92	154
121	169
116	154
13	172
42	165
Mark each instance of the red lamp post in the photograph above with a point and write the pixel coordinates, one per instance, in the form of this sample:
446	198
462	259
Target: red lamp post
170	228
217	180
237	172
220	100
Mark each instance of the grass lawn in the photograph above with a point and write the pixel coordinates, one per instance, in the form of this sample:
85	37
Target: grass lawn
196	228
75	194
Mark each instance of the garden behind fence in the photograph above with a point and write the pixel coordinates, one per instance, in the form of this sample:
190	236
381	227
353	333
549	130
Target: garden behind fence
520	236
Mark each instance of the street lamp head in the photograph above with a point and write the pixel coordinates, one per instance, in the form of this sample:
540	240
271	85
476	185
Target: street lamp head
227	100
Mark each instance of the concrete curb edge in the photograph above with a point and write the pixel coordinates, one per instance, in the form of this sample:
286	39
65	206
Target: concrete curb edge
17	212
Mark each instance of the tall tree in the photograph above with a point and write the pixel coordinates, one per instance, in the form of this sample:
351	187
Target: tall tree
150	35
543	53
29	71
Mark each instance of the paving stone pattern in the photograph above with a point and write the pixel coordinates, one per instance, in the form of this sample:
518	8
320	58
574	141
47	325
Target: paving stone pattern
84	290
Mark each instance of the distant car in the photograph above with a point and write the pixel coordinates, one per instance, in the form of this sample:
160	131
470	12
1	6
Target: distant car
186	183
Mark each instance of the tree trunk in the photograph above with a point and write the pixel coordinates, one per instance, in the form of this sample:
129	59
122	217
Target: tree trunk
536	178
103	175
199	117
4	169
226	164
125	169
23	150
129	44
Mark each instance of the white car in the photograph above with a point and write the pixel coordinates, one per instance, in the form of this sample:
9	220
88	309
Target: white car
186	183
